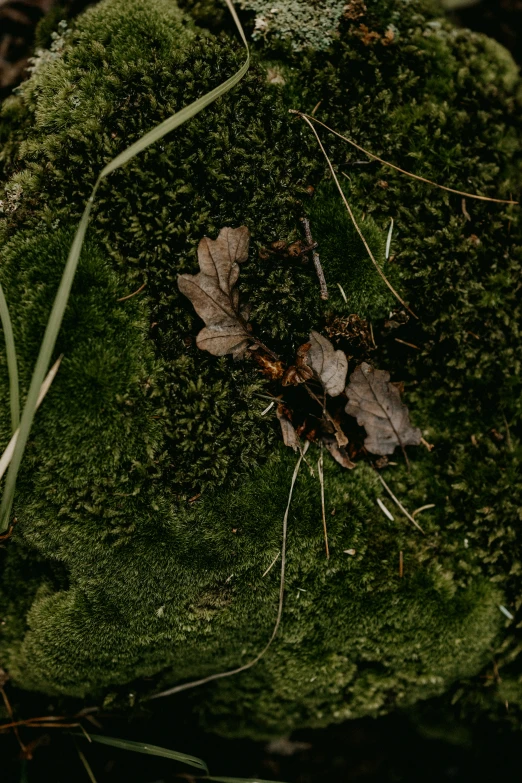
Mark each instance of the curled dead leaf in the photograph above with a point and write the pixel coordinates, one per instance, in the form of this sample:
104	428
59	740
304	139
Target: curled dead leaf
376	404
299	372
329	365
339	453
290	436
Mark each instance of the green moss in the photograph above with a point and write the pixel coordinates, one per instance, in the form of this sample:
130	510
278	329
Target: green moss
345	261
139	422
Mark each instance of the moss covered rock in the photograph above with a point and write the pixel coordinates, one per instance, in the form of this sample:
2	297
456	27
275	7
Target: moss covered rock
153	489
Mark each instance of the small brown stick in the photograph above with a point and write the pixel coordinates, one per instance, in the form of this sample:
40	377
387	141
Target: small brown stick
402	171
401	564
321	481
410	345
7	535
129	296
315	256
398	503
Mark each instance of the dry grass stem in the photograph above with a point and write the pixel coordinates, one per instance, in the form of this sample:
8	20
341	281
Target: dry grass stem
321	481
14	724
384	510
403	171
129	296
220	675
422	508
341	289
352	216
398	503
272	564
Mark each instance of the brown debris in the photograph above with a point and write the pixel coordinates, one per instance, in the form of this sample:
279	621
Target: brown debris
354	9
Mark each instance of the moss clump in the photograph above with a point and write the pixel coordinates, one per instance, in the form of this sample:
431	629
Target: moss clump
152	578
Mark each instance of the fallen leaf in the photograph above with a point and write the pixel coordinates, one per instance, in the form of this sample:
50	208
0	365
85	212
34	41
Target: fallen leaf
290	437
213	295
272	368
299	372
329	365
377	406
339	453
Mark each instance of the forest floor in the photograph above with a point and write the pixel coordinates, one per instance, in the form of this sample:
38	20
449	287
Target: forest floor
393	749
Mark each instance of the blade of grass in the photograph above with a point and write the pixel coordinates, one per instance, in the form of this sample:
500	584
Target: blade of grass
403	171
5	459
219	675
149	750
24	775
12	363
64	289
87	766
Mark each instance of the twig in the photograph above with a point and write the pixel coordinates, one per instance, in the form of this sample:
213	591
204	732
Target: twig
321	481
195	683
410	345
352	216
129	296
315	256
401	565
398	503
402	171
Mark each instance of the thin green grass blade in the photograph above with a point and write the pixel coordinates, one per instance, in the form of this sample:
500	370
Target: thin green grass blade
12	362
64	289
150	750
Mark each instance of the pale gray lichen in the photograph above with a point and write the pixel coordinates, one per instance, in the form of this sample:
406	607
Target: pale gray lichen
303	22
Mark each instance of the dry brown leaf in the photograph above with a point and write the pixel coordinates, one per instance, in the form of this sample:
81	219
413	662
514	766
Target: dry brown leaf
213	295
376	404
339	453
290	436
329	365
299	372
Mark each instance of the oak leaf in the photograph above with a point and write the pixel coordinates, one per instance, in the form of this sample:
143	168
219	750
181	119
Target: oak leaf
329	365
338	452
214	296
290	436
376	404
